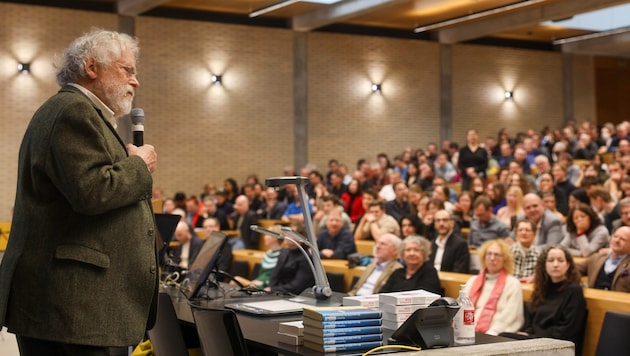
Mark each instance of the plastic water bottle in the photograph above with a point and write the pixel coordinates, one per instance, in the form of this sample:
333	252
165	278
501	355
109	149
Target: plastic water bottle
464	321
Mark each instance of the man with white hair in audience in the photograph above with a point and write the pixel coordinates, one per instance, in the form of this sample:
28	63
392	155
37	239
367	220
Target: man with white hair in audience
609	269
385	262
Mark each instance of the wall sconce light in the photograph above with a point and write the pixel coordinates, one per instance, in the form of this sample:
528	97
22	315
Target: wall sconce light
376	88
216	79
24	68
509	95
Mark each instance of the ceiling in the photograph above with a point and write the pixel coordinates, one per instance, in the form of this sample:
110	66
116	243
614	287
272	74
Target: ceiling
506	22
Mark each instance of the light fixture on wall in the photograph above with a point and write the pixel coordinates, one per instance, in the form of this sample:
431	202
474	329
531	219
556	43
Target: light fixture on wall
376	88
216	79
509	95
24	68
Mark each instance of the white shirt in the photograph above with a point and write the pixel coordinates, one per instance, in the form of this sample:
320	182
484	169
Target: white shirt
368	287
439	253
107	112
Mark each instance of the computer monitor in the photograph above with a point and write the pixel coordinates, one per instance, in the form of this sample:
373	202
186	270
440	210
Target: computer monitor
205	263
428	327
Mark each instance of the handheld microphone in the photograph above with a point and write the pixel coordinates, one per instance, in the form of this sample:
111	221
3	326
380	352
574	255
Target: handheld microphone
137	126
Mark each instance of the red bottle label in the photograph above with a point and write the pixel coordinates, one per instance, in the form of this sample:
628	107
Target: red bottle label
469	317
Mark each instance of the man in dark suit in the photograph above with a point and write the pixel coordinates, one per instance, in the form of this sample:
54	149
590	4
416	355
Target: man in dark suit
242	219
449	250
80	271
189	245
610	270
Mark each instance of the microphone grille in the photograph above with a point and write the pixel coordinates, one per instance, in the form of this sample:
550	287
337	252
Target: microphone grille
137	116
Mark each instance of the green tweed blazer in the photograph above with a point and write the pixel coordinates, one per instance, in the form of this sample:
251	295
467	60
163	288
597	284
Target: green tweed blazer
81	264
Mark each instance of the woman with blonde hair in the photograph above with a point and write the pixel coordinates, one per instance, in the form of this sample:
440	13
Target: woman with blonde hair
496	294
512	208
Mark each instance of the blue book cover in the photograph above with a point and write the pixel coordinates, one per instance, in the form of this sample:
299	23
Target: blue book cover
350	339
343	331
341	313
353	323
343	347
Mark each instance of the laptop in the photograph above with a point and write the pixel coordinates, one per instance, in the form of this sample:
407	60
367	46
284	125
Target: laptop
203	266
166	225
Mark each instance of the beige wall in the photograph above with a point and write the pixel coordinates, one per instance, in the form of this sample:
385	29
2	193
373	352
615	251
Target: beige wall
207	133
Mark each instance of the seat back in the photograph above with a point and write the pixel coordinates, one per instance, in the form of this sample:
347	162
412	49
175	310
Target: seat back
613	337
219	332
337	281
166	336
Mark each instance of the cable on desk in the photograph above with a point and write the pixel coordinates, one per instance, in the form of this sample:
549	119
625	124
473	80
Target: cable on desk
405	347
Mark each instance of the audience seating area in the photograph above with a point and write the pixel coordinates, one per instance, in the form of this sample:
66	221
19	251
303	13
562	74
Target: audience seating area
598	301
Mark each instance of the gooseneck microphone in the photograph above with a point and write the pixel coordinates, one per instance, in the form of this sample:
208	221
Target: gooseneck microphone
137	126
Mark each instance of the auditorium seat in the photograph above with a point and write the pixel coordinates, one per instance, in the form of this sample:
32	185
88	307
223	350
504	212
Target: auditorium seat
613	338
219	332
166	336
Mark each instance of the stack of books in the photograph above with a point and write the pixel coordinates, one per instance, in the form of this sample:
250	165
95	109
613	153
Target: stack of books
344	328
291	332
398	306
366	301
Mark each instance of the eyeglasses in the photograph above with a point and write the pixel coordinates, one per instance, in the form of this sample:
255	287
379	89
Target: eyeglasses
129	70
494	254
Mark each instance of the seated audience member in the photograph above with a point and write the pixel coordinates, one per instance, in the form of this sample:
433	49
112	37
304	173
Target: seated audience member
410	225
449	250
562	182
462	211
577	196
624	213
444	168
193	211
336	186
189	245
225	258
557	309
512	208
387	191
610	270
210	211
496	294
168	206
418	272
548	225
525	254
549	202
328	204
353	201
242	219
223	203
292	273
272	208
546	187
376	223
384	263
585	232
336	241
269	261
604	206
398	207
293	214
486	227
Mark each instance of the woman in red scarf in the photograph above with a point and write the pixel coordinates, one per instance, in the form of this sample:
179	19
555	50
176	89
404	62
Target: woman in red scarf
496	294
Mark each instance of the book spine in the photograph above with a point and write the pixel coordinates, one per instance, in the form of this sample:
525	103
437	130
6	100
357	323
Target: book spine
352	339
350	323
332	316
354	346
344	331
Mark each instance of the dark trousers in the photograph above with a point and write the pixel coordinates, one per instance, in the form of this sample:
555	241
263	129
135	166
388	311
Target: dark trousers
37	347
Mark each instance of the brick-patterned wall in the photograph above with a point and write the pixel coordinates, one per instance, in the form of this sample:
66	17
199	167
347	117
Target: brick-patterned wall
346	120
482	74
207	133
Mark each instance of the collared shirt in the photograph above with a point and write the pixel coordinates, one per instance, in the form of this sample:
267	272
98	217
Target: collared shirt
524	260
183	257
611	263
106	111
368	287
439	253
495	229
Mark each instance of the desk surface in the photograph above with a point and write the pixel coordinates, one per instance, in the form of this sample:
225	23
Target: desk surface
261	332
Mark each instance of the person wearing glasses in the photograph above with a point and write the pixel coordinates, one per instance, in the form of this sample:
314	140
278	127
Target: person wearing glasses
449	250
525	254
496	294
